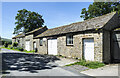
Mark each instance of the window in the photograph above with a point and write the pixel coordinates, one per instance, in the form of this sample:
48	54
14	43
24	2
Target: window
41	42
69	39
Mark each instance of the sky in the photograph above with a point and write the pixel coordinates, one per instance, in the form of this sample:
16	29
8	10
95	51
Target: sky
55	14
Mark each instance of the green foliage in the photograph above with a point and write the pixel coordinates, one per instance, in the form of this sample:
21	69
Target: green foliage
27	21
99	8
9	41
10	46
17	48
15	44
3	42
6	44
89	64
20	48
32	51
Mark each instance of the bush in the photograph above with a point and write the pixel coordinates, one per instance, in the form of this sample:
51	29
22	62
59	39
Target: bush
6	44
21	49
3	42
15	44
10	46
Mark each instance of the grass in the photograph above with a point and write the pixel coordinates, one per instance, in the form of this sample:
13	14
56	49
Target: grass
18	50
29	51
89	64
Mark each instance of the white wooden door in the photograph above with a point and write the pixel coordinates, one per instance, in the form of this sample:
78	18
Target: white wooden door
27	45
89	49
52	46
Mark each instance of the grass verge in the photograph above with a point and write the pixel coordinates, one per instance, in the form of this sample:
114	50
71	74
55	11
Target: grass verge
89	64
17	50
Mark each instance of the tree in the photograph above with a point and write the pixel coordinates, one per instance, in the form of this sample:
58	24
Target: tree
27	21
6	44
15	44
99	8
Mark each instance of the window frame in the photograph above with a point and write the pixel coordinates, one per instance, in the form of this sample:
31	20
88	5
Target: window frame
41	43
69	39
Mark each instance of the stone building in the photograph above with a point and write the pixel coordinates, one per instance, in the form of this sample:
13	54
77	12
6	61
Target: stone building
19	39
89	40
30	43
26	40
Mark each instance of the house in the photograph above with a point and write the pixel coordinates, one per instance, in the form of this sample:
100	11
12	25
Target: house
30	43
26	40
19	39
89	40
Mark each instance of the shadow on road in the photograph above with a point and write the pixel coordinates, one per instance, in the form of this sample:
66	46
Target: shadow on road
26	62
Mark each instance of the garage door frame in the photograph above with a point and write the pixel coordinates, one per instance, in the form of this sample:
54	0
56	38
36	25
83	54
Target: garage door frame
83	49
51	46
27	45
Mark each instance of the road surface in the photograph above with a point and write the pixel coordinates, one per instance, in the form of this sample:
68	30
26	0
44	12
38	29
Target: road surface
22	64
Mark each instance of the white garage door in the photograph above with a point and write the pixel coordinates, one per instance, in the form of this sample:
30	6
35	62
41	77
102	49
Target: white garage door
89	49
27	45
52	46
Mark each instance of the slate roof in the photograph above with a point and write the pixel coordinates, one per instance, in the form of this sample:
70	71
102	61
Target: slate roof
94	23
19	36
31	32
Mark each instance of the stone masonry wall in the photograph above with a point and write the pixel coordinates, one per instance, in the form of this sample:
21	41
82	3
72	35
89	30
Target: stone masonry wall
41	49
13	40
29	38
21	42
76	50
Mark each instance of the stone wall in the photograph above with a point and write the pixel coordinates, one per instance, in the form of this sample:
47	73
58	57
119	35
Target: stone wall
21	41
29	38
42	49
13	40
76	50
